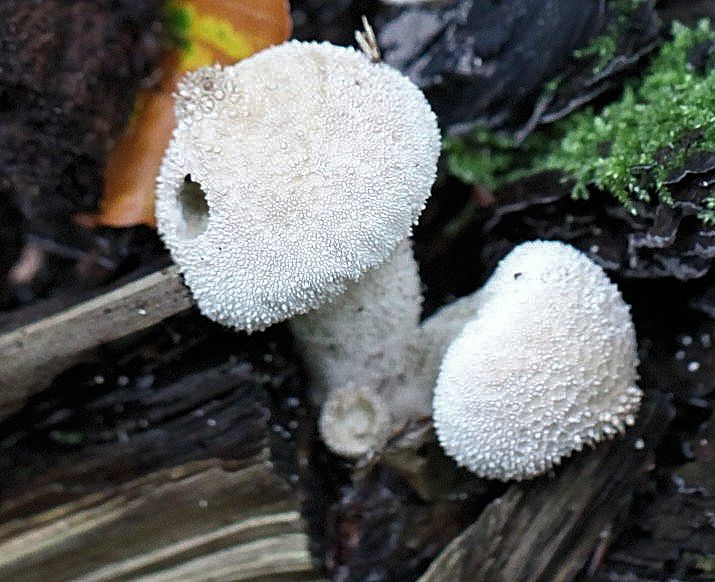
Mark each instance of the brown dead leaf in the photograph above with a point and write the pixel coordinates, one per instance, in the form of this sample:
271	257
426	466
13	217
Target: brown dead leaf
209	31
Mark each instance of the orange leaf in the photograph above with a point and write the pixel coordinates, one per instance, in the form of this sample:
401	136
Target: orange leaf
213	31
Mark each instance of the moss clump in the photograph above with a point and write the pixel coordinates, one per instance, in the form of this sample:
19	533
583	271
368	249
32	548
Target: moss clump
602	49
492	159
628	148
631	146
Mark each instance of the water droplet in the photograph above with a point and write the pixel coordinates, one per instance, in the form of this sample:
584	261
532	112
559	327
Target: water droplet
693	366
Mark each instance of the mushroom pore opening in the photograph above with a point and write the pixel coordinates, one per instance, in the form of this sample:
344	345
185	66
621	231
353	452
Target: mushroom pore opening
194	208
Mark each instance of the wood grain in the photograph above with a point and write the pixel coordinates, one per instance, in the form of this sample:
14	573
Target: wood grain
32	355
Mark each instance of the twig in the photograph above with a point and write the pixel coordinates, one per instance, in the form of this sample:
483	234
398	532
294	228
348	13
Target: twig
367	41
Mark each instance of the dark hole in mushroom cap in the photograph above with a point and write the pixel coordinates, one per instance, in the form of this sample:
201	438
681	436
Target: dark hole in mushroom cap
194	208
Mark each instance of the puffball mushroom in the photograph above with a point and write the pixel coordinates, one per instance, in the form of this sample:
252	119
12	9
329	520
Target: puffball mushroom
290	174
547	366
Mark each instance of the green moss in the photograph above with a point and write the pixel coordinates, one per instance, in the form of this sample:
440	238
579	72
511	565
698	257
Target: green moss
602	49
631	146
628	148
68	438
493	159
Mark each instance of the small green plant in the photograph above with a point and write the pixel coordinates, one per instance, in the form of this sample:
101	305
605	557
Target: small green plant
602	49
490	158
631	146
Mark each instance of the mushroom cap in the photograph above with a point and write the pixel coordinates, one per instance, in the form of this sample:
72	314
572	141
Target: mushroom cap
354	420
547	366
289	174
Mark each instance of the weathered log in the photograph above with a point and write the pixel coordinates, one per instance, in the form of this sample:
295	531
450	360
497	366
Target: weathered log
195	521
34	354
171	464
549	528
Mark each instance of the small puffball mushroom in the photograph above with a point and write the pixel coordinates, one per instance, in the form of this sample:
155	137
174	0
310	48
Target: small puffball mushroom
547	366
289	175
354	420
365	333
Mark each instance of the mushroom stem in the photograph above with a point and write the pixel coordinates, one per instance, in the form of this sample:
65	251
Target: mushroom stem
436	333
371	336
354	421
366	335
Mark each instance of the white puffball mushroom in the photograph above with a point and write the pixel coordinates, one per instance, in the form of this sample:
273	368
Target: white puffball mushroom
354	420
290	174
547	366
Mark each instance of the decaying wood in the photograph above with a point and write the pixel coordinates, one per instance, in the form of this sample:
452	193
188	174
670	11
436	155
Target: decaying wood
34	354
169	468
196	521
670	532
550	528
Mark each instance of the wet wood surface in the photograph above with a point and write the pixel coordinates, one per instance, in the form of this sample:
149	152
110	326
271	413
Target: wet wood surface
33	354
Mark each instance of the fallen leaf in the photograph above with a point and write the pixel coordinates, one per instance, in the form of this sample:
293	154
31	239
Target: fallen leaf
203	32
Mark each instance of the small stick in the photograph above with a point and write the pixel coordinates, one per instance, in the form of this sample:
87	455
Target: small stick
368	41
32	355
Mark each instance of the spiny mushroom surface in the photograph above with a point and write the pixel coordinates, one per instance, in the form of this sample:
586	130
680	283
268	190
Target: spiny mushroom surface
547	366
290	174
